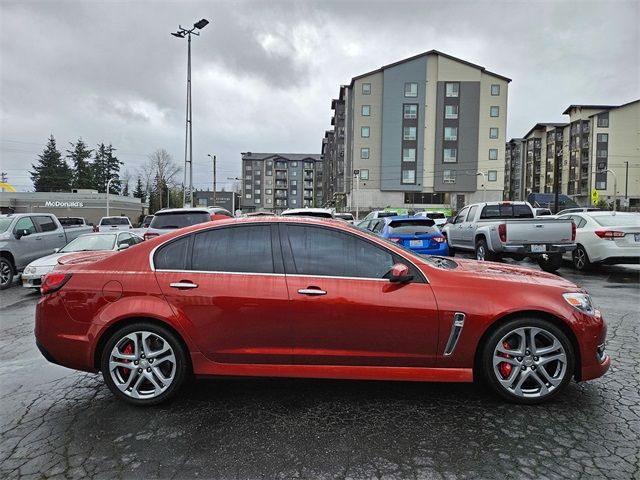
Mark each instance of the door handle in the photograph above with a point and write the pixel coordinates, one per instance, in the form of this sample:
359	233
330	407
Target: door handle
311	291
60	236
182	285
38	238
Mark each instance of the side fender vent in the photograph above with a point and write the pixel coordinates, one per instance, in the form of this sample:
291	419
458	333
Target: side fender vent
456	330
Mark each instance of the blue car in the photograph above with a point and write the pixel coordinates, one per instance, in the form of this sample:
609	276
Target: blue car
418	234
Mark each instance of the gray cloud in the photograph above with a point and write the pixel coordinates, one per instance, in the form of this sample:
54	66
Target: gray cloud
264	72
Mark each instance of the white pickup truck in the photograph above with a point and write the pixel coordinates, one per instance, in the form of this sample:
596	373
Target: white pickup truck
508	229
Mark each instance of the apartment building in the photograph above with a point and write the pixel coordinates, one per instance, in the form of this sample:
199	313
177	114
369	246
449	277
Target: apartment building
427	131
597	148
333	152
515	161
273	182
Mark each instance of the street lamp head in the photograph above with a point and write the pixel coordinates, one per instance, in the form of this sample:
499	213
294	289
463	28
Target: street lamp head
178	34
201	24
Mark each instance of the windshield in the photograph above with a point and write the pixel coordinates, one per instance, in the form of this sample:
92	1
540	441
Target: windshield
173	220
88	243
617	220
115	221
412	227
4	224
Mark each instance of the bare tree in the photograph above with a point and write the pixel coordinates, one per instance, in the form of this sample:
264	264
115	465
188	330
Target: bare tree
125	183
160	170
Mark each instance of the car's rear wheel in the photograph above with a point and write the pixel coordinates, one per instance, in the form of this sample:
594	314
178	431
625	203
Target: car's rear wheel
551	263
483	253
581	259
144	364
528	360
6	273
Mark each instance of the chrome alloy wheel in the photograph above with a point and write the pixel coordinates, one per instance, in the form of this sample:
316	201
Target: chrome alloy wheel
480	253
580	258
529	362
142	365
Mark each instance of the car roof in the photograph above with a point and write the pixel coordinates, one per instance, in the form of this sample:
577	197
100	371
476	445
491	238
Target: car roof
182	210
291	211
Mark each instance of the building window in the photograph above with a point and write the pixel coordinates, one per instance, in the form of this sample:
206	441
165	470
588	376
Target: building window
269	163
452	89
408	154
602	154
411	111
451	133
269	172
493	154
601	185
366	110
603	120
247	195
294	183
268	191
364	132
257	201
247	177
449	176
256	191
410	89
495	90
248	168
294	173
258	182
408	176
603	137
492	175
293	165
366	89
494	111
364	153
450	155
409	133
364	174
269	201
257	173
294	192
451	111
294	201
493	133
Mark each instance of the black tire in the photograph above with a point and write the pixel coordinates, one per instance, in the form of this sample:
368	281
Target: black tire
6	273
180	373
551	264
491	374
483	253
580	259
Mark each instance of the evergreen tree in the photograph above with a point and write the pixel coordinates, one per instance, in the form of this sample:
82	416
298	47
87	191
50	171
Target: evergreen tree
139	191
105	166
113	171
51	173
80	156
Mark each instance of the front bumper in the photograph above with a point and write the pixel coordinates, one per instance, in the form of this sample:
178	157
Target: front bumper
32	280
594	359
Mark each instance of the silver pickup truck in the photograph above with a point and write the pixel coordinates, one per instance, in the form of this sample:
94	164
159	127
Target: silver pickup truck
508	229
25	237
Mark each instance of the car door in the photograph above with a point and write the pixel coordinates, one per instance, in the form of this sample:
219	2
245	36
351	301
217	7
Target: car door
31	246
467	230
455	235
228	286
52	236
343	310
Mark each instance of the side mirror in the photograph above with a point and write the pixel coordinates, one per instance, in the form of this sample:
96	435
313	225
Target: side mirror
56	250
123	246
399	273
22	233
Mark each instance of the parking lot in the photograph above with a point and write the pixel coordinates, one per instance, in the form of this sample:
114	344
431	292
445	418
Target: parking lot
59	423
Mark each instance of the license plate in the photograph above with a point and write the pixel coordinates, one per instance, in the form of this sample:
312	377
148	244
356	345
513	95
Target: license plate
415	243
538	248
637	236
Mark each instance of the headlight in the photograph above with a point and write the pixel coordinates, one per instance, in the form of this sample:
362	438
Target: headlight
30	270
580	301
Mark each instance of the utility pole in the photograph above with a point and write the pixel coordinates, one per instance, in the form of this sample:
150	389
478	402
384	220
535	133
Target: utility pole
3	177
626	185
233	194
214	178
357	193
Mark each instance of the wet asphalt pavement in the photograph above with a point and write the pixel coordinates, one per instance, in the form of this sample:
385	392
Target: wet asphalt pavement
58	423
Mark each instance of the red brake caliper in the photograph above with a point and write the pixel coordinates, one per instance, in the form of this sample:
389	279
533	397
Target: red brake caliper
505	368
128	350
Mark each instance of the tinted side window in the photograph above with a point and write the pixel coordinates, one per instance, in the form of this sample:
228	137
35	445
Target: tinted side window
172	256
235	249
25	223
326	252
46	224
461	216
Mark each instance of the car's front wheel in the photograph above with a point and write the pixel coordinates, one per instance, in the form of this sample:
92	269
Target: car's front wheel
6	273
528	360
144	364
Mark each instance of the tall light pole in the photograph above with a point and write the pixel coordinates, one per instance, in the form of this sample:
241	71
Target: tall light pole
484	185
357	195
108	187
214	177
626	185
188	142
615	186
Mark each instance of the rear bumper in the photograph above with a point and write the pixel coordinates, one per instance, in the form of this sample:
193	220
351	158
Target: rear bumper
442	250
550	249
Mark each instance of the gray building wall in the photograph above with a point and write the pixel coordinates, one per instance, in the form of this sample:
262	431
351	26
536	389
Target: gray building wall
392	115
467	143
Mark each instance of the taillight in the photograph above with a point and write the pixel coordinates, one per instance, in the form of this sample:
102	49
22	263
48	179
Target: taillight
438	239
609	234
53	282
502	232
149	236
573	231
394	239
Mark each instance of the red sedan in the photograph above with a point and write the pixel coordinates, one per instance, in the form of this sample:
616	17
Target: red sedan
298	297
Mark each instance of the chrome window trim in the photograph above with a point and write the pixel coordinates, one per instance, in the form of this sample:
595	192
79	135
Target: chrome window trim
217	272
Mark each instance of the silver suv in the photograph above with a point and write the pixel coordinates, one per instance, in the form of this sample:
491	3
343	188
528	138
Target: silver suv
171	219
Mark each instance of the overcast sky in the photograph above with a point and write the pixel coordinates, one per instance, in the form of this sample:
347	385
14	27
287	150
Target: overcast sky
264	72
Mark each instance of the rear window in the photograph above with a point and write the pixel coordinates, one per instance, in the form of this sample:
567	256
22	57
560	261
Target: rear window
412	227
617	220
387	214
506	210
70	221
174	220
344	216
115	221
434	215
